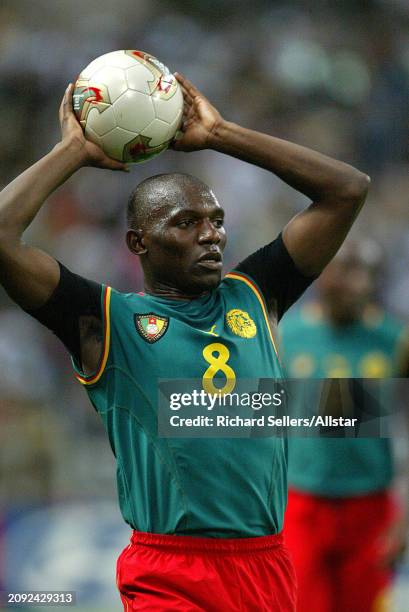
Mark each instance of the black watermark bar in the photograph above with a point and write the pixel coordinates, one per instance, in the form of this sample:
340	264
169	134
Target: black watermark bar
339	407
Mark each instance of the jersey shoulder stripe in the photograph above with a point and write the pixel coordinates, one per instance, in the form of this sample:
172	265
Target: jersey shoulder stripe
240	276
94	378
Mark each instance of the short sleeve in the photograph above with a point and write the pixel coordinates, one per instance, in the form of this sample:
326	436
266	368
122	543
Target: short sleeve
73	298
276	275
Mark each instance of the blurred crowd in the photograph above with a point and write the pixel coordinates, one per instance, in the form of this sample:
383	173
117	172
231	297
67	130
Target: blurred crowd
331	75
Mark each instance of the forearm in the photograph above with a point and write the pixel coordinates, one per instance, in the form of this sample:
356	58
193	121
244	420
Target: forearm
313	174
21	200
337	191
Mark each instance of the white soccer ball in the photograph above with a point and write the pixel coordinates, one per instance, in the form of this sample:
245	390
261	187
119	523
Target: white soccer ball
129	104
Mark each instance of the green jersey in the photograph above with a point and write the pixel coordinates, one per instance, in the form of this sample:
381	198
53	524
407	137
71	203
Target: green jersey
226	487
336	467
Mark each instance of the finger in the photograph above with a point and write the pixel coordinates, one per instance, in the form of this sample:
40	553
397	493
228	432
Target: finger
182	79
63	101
188	119
66	105
188	86
187	112
187	124
117	166
188	107
113	164
67	102
186	96
188	101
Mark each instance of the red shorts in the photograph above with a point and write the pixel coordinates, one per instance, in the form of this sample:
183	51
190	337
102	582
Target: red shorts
167	572
335	547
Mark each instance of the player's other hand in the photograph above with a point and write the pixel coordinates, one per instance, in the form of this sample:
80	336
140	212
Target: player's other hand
392	544
73	136
200	119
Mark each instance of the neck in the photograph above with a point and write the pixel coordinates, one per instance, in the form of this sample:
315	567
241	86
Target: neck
169	292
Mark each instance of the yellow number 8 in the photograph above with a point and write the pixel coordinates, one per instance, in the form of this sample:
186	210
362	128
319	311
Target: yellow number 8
217	364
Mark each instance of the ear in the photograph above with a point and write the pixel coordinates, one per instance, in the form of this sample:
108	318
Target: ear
135	241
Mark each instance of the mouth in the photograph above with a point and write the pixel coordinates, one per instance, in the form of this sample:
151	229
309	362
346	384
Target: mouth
211	260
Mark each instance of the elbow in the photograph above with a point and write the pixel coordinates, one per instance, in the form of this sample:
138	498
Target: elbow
355	188
361	186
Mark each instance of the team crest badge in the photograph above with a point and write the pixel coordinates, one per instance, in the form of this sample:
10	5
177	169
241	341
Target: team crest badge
241	323
150	326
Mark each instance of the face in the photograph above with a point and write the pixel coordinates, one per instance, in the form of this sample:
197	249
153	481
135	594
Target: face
345	287
185	240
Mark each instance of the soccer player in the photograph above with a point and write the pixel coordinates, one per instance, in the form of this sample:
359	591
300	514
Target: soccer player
344	487
206	513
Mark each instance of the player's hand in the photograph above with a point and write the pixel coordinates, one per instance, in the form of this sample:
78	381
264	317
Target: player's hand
200	119
73	136
393	542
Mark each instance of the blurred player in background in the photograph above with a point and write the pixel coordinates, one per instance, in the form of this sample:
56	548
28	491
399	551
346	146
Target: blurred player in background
342	524
207	513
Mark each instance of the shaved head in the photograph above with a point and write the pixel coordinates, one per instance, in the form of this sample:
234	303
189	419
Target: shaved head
161	192
175	226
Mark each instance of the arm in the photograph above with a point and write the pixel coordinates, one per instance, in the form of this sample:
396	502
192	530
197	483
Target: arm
29	275
337	190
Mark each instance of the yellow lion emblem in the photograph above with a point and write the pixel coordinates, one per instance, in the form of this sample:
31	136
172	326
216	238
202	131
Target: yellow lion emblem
241	323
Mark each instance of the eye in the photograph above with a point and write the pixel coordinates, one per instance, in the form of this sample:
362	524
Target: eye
185	223
218	222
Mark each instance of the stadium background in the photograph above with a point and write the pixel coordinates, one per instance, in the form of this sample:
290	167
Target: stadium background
331	75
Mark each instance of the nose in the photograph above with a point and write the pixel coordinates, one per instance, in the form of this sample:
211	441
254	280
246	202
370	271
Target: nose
208	233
